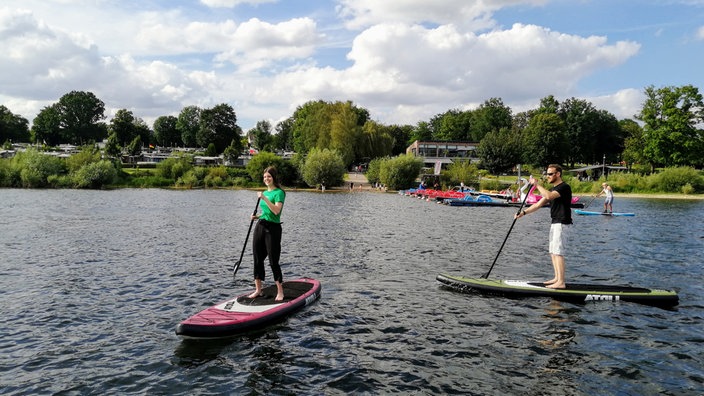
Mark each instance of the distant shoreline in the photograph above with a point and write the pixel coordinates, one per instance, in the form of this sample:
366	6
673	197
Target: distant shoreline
658	196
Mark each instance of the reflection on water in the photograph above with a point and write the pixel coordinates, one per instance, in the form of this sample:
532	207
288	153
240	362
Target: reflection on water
93	283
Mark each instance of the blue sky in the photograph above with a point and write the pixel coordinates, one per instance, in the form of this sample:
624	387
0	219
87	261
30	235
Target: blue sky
403	60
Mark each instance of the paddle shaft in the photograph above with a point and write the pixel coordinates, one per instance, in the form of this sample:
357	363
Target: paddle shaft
590	202
507	234
237	264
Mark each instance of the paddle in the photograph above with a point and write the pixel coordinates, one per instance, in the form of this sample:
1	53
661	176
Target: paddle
485	276
590	202
237	264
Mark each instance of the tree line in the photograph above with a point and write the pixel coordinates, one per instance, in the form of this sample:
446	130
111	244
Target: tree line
666	132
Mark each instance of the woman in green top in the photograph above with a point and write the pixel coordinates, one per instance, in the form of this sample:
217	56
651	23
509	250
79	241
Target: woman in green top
267	233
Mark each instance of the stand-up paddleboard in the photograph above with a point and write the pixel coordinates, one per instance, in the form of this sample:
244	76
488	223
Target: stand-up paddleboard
241	314
590	213
574	292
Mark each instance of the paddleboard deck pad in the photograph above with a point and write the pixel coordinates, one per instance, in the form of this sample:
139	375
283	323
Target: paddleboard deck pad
241	314
574	292
590	213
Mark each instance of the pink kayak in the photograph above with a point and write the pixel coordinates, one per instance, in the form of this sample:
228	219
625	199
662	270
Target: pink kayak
242	314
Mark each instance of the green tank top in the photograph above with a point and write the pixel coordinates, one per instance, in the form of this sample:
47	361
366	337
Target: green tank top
275	195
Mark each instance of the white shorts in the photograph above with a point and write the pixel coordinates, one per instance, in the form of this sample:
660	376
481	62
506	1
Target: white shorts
559	236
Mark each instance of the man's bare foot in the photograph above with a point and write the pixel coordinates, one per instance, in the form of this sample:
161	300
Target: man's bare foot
550	282
256	294
556	286
279	298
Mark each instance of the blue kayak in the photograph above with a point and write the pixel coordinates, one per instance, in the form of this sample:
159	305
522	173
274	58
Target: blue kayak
589	213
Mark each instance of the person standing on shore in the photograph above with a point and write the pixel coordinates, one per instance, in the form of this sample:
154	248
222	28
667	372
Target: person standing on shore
267	233
560	199
609	201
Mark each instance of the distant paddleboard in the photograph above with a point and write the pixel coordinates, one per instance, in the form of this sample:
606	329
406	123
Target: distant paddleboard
242	314
574	292
589	213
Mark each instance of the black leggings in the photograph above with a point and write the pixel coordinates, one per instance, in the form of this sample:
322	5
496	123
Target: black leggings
267	242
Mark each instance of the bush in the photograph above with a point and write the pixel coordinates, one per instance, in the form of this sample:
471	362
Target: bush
672	180
173	168
373	170
95	175
400	172
34	168
216	177
262	160
324	167
86	156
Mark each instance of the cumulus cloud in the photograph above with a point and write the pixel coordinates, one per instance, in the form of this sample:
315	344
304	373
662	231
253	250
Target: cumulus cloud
471	14
233	3
257	44
405	63
413	69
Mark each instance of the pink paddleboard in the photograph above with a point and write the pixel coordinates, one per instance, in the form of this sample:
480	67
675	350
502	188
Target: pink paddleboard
242	314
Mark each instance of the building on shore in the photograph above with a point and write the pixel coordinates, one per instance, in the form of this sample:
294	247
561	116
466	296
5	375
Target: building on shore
444	153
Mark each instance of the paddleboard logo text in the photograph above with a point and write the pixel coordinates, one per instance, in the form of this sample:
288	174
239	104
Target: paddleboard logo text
600	297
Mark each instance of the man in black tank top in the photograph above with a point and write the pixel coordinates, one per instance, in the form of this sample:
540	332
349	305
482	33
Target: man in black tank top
560	199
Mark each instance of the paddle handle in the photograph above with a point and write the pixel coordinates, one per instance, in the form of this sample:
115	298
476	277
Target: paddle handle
485	276
237	264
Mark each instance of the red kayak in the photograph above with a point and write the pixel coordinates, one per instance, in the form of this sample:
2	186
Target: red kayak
242	314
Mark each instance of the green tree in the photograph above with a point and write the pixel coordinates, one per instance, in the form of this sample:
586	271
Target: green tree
345	131
123	127
134	149
218	125
323	167
499	151
165	131
188	124
581	129
401	136
80	118
283	139
400	172
672	117
264	159
545	140
13	127
112	147
46	127
453	124
492	115
375	141
263	139
422	132
463	171
634	145
232	152
321	125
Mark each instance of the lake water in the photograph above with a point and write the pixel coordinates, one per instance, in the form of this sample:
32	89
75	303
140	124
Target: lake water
93	283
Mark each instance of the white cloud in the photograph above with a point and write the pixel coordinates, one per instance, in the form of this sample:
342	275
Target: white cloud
625	103
402	70
257	44
700	33
233	3
472	14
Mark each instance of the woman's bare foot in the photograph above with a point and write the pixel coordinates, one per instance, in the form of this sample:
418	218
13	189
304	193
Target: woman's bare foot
256	294
556	286
550	282
279	297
